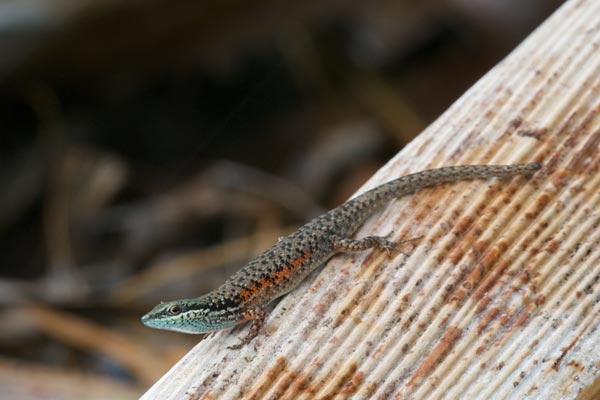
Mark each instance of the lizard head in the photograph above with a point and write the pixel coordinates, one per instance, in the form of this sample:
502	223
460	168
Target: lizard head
189	316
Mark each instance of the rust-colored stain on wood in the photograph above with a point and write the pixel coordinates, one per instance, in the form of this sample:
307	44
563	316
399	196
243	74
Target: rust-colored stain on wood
446	343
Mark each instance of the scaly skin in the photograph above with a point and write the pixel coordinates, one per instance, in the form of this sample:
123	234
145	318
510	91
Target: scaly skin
244	296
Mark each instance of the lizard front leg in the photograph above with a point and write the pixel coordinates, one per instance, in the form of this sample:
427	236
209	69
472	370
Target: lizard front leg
257	315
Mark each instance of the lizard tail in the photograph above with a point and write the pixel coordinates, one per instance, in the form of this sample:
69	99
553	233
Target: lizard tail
414	182
362	206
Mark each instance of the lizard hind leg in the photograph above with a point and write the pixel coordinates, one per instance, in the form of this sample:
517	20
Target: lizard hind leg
257	315
370	242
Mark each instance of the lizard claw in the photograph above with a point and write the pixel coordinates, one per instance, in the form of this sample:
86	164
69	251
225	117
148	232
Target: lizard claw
390	246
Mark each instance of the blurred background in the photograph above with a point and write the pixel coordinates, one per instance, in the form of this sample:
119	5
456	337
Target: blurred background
149	148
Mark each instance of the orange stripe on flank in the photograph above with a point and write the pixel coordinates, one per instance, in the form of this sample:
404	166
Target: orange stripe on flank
280	275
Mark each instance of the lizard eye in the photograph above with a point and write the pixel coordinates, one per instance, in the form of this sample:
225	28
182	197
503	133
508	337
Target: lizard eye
174	310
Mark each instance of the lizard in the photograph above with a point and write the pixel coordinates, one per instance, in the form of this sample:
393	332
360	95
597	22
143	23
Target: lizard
275	272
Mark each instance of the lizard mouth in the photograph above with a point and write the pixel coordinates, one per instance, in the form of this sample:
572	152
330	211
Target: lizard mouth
153	320
147	319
